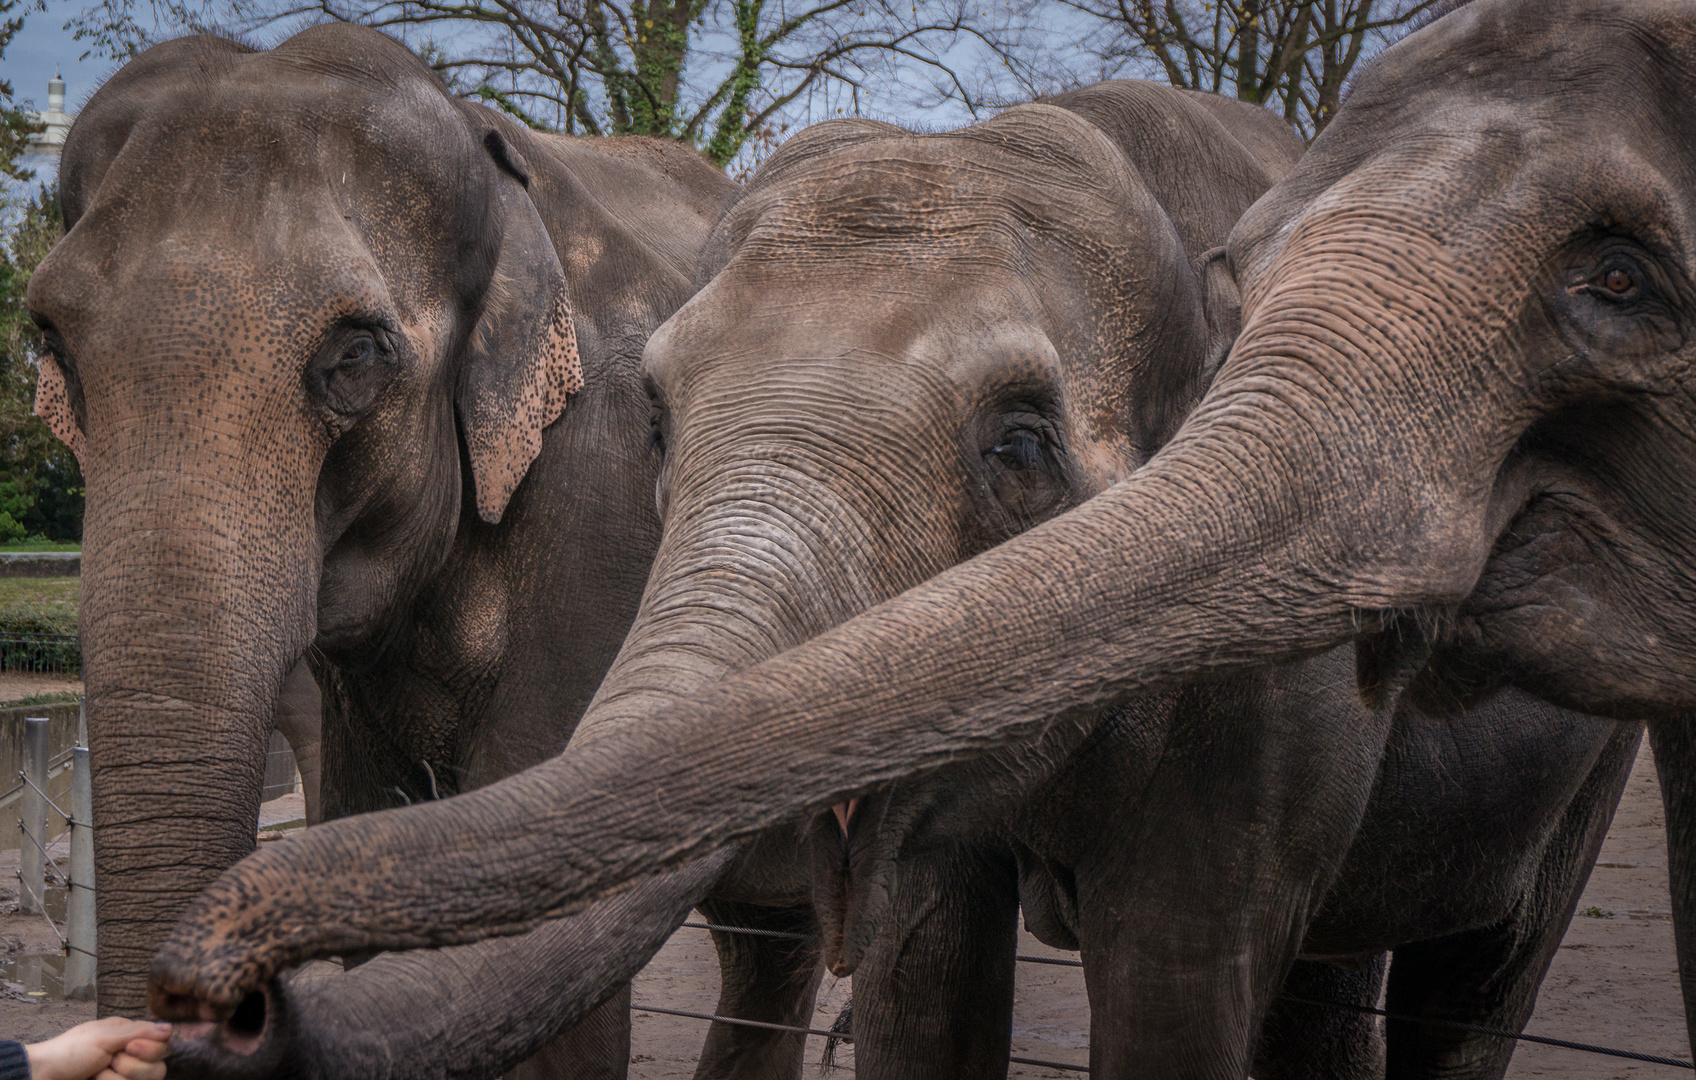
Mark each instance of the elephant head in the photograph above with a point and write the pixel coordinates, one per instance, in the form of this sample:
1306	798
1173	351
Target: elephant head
305	325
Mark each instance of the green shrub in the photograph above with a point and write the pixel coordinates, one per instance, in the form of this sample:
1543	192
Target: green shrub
38	624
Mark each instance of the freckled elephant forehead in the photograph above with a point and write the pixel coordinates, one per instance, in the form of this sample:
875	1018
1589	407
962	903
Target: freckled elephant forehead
331	115
1034	169
1553	67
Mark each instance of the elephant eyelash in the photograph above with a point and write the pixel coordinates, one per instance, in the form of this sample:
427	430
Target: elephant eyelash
1019	449
51	344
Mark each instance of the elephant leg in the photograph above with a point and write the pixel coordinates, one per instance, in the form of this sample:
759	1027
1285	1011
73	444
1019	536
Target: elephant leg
597	1048
774	980
933	996
1674	743
1155	1011
1300	1041
1490	976
1182	951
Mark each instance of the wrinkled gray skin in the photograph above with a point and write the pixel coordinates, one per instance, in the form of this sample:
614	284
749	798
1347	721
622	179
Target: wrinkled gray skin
1186	848
1457	415
895	321
312	315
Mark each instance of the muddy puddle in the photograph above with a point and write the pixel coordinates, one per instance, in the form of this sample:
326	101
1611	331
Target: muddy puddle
39	976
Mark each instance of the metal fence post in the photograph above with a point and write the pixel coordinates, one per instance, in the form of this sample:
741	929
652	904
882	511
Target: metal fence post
79	914
33	820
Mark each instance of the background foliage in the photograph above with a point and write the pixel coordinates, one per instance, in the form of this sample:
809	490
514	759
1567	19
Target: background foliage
718	74
41	488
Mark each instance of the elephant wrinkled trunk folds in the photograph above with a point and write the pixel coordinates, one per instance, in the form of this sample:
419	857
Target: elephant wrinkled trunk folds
180	693
754	764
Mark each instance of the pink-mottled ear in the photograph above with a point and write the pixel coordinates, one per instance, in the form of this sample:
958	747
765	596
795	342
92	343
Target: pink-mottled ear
53	404
523	362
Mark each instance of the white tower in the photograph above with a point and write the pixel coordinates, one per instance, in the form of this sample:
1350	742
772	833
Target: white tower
58	122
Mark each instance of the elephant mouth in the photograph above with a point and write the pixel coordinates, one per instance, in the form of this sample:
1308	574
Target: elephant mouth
845	814
242	1034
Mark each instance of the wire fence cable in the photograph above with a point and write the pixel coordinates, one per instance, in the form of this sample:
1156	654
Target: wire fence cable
839	1036
1056	961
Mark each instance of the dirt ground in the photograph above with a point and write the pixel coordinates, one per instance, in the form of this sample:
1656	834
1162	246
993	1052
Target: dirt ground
18	685
1614	982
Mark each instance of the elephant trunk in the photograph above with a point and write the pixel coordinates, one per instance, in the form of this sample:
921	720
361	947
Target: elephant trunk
758	556
1239	545
461	1014
184	651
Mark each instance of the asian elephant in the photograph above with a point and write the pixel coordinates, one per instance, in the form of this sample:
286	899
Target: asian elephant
1451	432
350	365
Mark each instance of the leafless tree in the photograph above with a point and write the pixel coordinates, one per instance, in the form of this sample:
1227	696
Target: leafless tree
726	75
1293	54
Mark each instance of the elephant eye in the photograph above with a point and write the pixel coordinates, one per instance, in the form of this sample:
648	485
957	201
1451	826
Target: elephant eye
1024	463
1621	280
359	351
351	376
1018	450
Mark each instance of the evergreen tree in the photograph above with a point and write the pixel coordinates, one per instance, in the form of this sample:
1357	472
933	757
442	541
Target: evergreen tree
17	123
41	488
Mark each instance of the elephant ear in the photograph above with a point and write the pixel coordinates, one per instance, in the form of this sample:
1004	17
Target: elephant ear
53	404
1223	308
522	361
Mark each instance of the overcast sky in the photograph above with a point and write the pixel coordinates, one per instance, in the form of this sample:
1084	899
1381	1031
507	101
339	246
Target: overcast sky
43	42
30	60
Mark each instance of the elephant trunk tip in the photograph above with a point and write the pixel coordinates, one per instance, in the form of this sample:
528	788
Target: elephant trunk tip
202	1043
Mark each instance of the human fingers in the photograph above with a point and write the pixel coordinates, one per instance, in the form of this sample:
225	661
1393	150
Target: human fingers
148	1049
112	1033
130	1067
83	1050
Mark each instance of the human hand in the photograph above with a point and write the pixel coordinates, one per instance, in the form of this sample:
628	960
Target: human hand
109	1049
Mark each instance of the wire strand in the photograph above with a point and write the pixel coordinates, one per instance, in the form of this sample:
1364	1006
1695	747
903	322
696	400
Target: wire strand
1501	1033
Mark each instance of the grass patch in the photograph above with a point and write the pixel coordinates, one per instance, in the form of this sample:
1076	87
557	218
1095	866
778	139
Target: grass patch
60	697
39	605
35	606
38	543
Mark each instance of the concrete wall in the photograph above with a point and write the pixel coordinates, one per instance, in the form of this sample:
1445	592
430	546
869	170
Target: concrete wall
40	564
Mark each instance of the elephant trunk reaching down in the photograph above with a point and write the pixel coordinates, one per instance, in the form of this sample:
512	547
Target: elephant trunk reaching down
180	692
